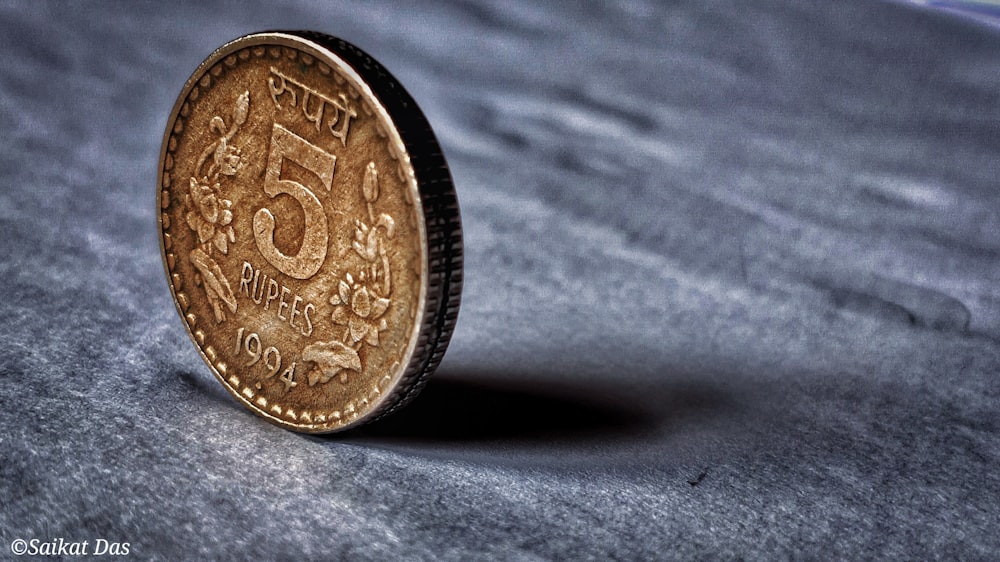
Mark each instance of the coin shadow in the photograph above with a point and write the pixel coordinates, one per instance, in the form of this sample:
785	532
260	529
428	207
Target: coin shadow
451	410
495	408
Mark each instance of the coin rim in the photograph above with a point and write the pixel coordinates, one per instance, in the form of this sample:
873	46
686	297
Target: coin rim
399	390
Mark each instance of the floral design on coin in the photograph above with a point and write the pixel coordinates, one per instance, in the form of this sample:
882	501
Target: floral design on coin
362	299
310	240
210	214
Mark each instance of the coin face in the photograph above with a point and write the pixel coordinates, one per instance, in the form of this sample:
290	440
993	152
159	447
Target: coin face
309	229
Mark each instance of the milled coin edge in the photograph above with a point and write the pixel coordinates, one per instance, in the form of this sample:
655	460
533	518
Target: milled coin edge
386	396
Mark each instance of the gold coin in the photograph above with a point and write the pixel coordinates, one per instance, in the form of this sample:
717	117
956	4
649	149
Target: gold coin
309	230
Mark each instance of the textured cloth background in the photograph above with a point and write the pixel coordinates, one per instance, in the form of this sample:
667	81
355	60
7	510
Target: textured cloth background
732	290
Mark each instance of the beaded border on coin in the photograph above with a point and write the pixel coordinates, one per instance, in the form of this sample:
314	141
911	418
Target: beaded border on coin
440	225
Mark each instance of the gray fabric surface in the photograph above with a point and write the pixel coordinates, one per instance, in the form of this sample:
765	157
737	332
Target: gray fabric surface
731	291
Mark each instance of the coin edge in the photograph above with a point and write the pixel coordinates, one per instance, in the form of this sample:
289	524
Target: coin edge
435	326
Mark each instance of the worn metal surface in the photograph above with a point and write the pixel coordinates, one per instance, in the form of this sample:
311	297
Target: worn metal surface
320	291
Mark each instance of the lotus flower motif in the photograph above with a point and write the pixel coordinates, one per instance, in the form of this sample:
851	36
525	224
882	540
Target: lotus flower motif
360	309
210	215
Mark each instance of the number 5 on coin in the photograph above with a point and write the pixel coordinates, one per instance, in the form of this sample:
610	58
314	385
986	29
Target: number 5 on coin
309	259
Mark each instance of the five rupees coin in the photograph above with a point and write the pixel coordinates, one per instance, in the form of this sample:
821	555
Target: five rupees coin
309	229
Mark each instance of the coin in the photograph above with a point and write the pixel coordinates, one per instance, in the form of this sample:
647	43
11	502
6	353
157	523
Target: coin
309	229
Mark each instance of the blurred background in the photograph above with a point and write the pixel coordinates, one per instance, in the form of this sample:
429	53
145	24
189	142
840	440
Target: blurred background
731	289
985	10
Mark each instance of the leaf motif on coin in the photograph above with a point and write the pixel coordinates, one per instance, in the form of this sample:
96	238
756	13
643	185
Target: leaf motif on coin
361	300
209	213
331	358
